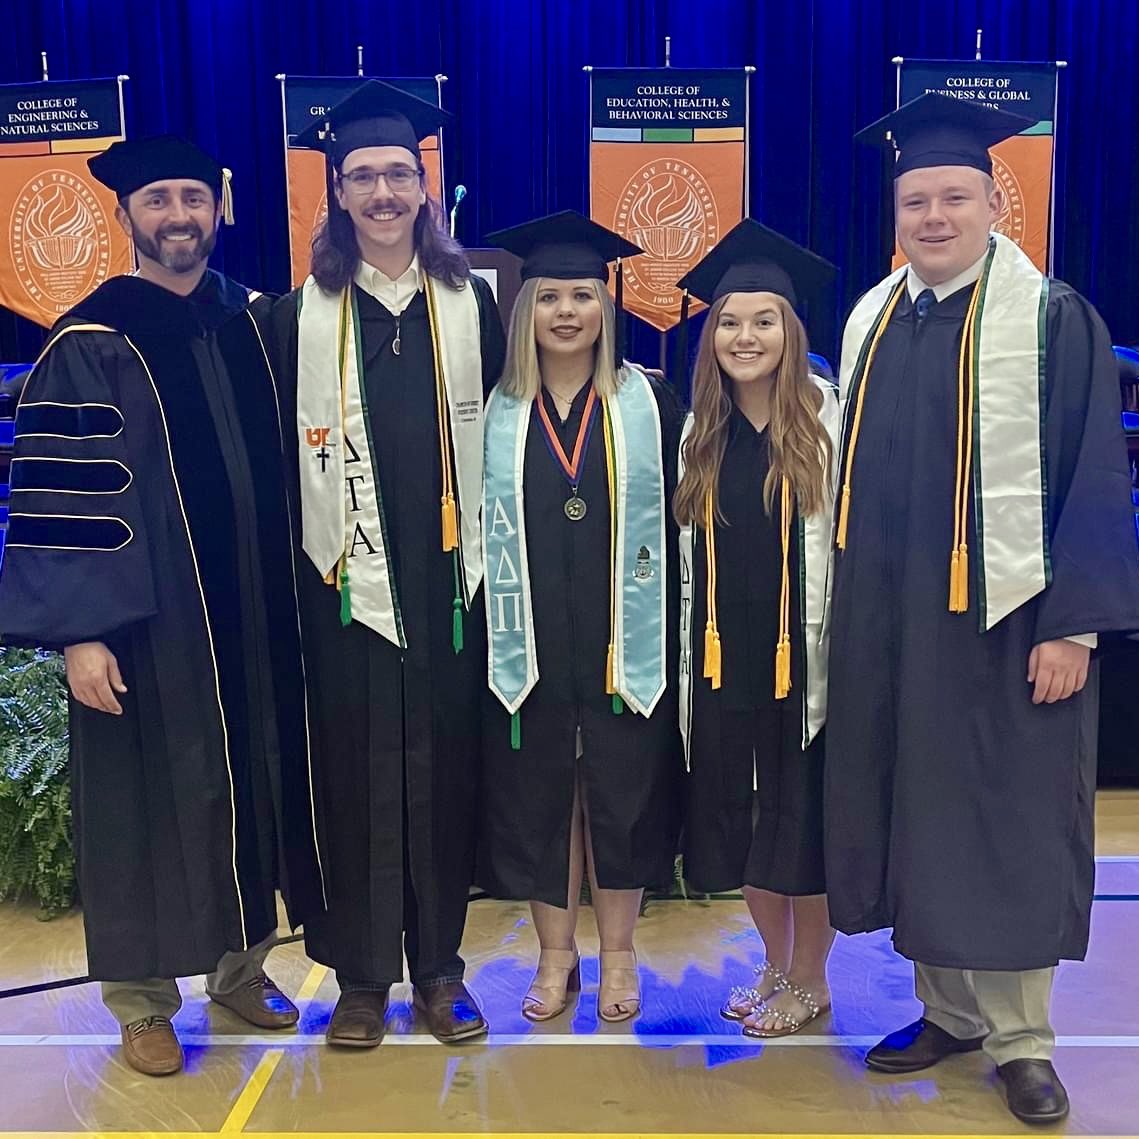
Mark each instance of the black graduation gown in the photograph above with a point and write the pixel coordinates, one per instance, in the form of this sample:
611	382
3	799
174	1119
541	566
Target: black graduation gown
956	810
395	732
741	736
173	801
631	766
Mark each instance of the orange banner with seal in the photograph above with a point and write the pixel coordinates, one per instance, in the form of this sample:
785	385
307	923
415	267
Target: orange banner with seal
667	171
59	240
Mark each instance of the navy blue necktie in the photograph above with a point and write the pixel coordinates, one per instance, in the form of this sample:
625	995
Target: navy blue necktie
925	301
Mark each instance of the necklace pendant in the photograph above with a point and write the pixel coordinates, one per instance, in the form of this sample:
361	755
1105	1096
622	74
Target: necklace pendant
395	346
575	508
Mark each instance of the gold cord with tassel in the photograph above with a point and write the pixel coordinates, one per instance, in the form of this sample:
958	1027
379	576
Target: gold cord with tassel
783	645
713	659
966	381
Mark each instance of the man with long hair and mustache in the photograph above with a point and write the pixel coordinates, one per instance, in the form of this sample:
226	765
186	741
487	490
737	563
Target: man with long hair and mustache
148	531
384	353
754	503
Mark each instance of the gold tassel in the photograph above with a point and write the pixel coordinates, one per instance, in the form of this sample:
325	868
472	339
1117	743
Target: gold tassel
610	688
963	579
709	648
954	580
227	195
450	524
713	665
843	517
783	668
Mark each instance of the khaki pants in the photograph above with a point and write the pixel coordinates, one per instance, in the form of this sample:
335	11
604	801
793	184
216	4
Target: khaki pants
129	1001
1010	1010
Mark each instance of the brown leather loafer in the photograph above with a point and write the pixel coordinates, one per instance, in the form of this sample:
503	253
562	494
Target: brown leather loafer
260	1002
916	1047
451	1012
150	1046
358	1019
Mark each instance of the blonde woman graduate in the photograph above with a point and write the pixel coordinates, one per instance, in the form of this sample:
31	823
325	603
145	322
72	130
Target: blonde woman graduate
581	752
754	503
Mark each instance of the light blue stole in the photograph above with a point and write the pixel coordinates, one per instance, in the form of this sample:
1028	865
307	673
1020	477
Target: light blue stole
640	559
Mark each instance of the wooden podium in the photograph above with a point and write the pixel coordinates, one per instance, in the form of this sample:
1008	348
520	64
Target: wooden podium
502	271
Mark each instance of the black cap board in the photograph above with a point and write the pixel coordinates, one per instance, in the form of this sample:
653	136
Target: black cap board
130	164
752	258
564	246
937	130
375	114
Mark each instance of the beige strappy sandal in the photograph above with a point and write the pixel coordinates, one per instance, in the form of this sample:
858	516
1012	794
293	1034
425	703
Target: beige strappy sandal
620	986
561	973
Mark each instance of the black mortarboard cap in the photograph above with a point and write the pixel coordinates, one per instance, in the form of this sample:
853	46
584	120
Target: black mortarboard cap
375	114
755	259
130	164
565	246
938	130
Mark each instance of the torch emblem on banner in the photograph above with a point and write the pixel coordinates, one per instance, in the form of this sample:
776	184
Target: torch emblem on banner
60	240
668	210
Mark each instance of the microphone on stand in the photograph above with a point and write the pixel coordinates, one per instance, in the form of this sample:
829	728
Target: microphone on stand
460	194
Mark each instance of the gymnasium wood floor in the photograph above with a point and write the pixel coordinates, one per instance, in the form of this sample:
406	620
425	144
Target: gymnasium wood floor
677	1070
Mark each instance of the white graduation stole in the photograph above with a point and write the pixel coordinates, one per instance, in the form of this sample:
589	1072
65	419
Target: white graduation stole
639	583
816	540
1009	490
342	512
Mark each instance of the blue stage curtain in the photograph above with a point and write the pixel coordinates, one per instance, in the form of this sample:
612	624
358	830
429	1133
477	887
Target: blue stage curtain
206	68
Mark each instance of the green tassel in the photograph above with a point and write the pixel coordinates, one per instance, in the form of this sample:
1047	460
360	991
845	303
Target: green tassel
516	731
457	609
345	598
457	625
618	704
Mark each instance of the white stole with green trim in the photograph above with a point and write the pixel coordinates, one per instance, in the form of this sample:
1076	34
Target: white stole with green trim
639	585
342	510
1009	487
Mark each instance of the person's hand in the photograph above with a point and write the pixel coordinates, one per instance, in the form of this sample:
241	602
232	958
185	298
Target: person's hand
94	677
1057	669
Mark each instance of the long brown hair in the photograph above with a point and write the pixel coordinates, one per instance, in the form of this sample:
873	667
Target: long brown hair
800	446
336	255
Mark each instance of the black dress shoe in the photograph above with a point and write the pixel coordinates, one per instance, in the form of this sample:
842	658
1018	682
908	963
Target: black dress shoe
1035	1094
358	1019
916	1047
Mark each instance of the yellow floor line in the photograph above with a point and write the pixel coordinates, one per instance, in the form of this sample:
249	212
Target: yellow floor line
312	982
250	1094
514	1135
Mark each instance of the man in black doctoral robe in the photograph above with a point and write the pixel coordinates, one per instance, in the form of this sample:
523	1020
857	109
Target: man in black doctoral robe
985	540
384	354
149	540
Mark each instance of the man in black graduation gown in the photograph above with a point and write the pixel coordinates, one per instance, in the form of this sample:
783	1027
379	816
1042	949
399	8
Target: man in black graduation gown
983	462
385	353
149	540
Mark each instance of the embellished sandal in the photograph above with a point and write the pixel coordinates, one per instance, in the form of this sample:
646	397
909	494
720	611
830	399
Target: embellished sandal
562	969
785	1023
743	1000
620	986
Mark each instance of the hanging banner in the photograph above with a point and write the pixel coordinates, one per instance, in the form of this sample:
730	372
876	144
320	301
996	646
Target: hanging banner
59	240
304	99
1023	166
668	171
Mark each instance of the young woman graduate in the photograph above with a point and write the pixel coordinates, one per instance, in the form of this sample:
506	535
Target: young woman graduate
755	503
581	753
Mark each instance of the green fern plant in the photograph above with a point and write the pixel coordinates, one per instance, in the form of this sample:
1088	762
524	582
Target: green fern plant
37	859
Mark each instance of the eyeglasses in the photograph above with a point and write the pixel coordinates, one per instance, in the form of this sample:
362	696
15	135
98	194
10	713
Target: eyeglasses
399	180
